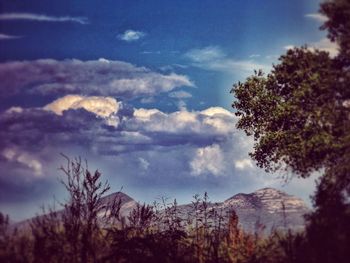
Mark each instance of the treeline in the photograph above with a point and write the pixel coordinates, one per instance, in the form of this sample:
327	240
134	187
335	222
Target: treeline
90	230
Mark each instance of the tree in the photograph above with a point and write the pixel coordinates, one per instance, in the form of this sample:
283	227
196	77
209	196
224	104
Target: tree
338	26
299	115
295	114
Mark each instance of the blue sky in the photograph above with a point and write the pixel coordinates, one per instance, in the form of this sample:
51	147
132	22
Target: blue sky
140	89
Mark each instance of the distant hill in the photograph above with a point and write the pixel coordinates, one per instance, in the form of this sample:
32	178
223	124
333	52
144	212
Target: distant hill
127	205
268	207
263	210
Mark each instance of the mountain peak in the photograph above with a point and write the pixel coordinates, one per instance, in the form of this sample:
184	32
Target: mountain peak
124	198
275	200
268	189
269	206
270	199
127	204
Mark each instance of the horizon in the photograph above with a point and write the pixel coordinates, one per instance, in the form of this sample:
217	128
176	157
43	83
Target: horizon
141	91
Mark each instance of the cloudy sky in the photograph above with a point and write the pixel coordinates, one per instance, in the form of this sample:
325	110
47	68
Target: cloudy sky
141	90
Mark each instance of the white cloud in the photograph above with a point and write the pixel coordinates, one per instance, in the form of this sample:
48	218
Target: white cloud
209	159
95	77
180	94
101	106
146	114
318	17
42	17
14	110
181	105
212	142
23	158
206	54
218	117
214	58
324	45
209	122
9	154
144	163
131	35
212	111
144	85
156	121
104	107
243	164
8	37
288	47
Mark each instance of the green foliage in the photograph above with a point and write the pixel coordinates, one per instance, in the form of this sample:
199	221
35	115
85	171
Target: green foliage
296	113
299	115
338	26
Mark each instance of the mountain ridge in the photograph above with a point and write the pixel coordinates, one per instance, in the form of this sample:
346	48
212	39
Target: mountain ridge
270	207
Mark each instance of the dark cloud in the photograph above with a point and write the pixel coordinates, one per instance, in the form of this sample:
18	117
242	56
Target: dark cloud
134	130
96	77
34	129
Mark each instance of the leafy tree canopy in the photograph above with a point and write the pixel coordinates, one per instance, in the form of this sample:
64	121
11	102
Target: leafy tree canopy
338	26
299	114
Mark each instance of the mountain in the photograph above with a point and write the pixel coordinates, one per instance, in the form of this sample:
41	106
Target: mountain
126	202
263	210
269	208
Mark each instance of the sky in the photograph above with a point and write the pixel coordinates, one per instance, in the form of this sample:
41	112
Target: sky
141	90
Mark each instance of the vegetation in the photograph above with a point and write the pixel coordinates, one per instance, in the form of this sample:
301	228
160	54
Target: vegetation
299	115
89	229
93	229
